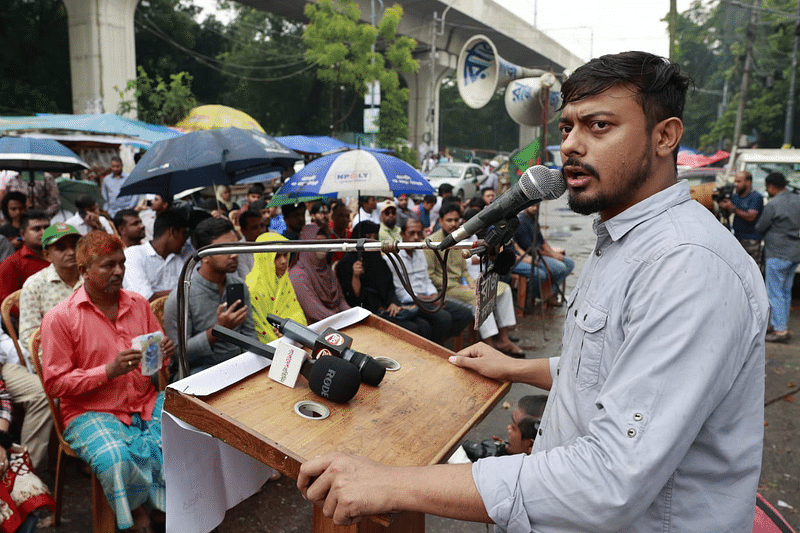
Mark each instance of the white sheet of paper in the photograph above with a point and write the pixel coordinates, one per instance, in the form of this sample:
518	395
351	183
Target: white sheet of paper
236	369
205	477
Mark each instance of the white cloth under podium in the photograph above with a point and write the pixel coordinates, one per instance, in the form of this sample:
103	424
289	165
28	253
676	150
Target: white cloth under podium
204	476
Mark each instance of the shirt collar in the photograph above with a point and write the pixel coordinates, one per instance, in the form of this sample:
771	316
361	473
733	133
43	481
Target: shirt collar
643	211
82	299
28	253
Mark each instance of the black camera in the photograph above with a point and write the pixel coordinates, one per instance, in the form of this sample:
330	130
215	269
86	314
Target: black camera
485	448
722	193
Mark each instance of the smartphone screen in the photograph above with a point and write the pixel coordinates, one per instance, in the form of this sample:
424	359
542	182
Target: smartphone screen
233	292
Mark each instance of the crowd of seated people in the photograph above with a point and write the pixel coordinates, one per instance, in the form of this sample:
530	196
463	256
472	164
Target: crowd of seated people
88	288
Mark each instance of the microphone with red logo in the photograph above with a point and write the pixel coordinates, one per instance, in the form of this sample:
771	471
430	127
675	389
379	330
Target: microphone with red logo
331	342
328	377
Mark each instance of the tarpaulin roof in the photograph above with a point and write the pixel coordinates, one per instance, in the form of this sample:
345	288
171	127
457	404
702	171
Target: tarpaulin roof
321	144
693	159
106	125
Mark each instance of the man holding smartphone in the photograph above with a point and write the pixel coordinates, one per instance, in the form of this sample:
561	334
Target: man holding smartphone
218	297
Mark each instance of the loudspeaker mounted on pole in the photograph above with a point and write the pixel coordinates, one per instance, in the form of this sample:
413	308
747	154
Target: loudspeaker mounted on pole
481	71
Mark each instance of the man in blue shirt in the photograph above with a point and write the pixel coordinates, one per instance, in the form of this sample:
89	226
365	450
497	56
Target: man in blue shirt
112	183
746	205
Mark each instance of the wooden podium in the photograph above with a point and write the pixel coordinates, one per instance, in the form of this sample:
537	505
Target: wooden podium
417	416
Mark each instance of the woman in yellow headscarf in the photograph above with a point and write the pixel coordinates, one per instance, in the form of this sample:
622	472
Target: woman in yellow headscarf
271	290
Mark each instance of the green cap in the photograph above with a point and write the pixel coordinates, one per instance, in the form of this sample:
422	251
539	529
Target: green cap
57	231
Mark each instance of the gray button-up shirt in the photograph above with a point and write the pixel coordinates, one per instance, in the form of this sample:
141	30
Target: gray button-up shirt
780	225
203	300
655	418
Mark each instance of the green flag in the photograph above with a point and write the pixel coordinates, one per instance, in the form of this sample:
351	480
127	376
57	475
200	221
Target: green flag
523	159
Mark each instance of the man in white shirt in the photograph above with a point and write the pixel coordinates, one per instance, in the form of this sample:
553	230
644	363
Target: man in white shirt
88	217
454	316
152	269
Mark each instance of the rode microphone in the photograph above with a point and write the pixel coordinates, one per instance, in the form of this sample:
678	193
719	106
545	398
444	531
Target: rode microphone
329	377
331	342
536	184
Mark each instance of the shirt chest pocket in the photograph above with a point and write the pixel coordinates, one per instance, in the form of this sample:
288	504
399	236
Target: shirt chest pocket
591	322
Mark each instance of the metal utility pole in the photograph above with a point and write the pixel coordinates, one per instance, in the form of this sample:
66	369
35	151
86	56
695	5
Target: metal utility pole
673	19
789	124
748	65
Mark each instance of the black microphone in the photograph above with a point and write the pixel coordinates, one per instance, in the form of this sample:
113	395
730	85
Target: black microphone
536	184
331	342
329	377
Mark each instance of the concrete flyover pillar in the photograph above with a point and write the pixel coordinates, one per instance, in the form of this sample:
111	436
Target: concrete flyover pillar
423	103
102	52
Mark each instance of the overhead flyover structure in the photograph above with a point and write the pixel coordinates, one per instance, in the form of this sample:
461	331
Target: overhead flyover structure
102	56
441	29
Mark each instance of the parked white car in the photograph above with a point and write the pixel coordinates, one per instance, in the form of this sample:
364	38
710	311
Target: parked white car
466	178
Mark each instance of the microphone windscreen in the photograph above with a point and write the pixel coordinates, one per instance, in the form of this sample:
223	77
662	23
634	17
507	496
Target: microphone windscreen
334	378
539	182
372	372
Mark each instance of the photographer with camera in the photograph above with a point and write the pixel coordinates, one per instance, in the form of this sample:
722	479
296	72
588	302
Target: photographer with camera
746	205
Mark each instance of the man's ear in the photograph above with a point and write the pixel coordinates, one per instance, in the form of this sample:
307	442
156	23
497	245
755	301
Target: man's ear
528	444
667	135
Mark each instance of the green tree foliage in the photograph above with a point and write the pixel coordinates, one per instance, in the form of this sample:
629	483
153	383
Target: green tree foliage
711	48
158	101
489	127
34	58
352	54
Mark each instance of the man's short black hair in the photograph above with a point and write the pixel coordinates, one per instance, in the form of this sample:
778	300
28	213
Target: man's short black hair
409	220
258	205
659	84
317	206
210	229
429	199
776	179
85	201
365	199
445	188
247	216
449	207
119	218
533	407
288	209
169	219
31	214
364	228
12	195
256	188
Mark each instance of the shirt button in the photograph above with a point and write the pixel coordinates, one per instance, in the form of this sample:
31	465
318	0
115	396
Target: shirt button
540	432
598	253
558	371
637	416
631	432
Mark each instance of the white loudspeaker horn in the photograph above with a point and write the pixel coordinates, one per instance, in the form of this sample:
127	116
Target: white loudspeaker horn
525	99
481	71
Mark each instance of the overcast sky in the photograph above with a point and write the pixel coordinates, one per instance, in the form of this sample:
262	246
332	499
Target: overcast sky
590	28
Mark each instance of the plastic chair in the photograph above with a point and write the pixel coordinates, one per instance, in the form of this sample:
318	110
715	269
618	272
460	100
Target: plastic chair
157	306
11	301
103	518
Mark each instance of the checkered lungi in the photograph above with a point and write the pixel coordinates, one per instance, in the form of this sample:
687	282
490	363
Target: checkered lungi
126	459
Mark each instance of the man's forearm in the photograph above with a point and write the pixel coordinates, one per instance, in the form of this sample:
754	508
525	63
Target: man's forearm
442	490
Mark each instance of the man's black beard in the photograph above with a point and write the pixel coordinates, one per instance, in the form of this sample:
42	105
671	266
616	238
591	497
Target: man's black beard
604	201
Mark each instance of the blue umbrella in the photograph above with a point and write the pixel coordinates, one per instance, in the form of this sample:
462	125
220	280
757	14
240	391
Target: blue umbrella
202	158
30	154
356	173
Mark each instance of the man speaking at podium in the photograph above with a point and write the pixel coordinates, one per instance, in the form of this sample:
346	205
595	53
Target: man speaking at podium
655	417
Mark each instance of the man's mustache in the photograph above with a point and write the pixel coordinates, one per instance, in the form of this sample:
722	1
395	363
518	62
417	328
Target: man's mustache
588	169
